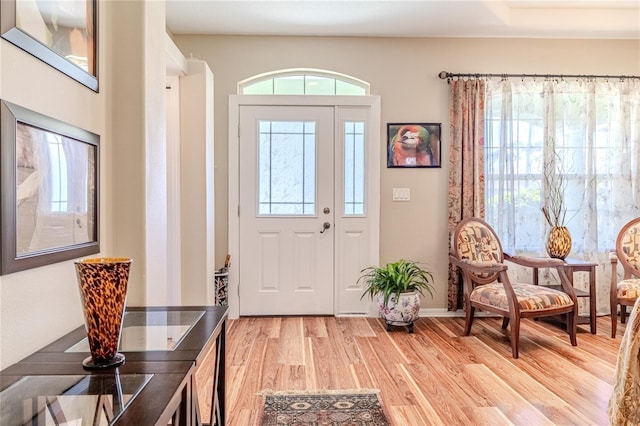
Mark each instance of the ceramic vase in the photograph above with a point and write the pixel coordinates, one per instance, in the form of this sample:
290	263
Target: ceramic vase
559	242
103	291
402	310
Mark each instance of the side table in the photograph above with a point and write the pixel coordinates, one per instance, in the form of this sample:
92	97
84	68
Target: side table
578	265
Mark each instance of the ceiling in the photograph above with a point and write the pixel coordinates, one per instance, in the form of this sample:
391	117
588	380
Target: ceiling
578	19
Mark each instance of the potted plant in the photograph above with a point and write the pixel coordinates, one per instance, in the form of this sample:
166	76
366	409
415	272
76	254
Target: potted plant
397	287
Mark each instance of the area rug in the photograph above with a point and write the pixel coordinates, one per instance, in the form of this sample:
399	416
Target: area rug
322	408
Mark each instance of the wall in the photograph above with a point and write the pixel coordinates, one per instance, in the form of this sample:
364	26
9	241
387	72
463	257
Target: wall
403	71
41	304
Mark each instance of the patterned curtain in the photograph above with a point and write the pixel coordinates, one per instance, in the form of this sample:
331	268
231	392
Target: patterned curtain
466	164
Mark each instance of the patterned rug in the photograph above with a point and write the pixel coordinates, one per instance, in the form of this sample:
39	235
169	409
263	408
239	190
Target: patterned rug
322	408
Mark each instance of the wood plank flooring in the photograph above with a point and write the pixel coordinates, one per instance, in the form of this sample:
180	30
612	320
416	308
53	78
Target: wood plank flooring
435	376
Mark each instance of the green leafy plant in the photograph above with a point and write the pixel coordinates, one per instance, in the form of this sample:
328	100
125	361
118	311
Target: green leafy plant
395	278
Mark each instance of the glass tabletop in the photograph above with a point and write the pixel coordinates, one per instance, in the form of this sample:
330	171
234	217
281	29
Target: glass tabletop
150	331
69	399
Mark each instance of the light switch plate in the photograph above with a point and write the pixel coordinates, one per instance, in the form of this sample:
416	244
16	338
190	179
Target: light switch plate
401	194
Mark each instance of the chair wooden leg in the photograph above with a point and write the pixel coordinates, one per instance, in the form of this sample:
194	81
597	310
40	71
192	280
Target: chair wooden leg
469	319
505	323
623	313
572	325
614	318
515	337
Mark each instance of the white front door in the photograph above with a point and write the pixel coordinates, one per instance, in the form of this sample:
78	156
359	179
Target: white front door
286	210
296	164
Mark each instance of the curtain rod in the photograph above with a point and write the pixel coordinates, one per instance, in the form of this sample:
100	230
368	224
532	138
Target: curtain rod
450	75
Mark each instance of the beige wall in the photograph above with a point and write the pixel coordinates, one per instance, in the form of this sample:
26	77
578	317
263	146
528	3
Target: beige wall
403	71
40	304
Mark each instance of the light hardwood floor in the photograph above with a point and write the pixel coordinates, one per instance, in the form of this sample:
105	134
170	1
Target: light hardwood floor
435	376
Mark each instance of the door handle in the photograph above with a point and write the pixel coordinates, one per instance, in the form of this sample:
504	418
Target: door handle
325	226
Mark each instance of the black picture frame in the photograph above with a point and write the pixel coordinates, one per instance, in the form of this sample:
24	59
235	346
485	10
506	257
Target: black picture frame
62	34
414	145
49	188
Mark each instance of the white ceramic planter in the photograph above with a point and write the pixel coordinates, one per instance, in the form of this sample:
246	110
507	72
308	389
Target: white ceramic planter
401	312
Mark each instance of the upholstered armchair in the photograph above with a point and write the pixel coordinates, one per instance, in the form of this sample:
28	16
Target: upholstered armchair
477	252
627	253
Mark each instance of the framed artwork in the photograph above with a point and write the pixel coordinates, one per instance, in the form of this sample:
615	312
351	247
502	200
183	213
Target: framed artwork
61	33
413	145
49	190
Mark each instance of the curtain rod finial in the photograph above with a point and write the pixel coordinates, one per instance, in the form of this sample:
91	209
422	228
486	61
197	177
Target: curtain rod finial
443	74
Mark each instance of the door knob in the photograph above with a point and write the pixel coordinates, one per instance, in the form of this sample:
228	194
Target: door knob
325	226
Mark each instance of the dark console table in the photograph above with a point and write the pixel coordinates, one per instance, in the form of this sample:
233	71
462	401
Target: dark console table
165	348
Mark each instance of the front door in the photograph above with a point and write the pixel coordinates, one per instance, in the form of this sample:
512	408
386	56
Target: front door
286	195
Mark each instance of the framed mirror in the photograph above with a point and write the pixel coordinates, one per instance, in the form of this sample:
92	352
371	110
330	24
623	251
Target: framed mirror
61	33
49	189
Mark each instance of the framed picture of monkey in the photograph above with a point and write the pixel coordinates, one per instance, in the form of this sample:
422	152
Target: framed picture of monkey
413	144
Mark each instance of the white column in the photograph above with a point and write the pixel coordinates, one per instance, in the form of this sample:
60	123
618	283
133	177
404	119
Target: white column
139	147
197	184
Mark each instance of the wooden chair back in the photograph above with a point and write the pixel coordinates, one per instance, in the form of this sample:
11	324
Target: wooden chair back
474	241
628	249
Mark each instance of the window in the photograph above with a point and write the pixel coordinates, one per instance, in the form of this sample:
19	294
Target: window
588	132
303	82
58	172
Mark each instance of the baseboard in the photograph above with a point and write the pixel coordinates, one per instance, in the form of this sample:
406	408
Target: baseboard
429	312
443	313
440	312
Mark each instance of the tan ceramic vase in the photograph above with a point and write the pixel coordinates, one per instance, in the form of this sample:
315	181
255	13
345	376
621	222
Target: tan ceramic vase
103	291
559	242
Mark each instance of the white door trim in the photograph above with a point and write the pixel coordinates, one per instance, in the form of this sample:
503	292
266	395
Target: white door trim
373	181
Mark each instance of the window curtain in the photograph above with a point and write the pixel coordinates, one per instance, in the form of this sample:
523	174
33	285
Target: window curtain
466	164
588	131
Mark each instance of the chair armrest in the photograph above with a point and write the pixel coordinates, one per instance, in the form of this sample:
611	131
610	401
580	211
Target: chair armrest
547	262
534	262
478	267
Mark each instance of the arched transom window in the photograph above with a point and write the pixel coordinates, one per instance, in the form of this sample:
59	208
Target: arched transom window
303	82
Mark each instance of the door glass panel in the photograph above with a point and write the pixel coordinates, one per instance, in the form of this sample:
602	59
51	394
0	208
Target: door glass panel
287	168
353	168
